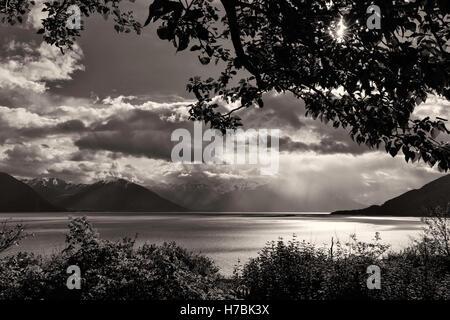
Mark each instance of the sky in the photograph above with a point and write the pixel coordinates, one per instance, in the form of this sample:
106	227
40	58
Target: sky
108	108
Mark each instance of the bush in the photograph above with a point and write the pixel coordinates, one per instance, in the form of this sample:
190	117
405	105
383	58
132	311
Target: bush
298	270
110	271
436	234
10	235
290	270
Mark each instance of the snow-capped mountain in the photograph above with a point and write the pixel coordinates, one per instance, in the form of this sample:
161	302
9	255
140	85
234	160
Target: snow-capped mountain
113	194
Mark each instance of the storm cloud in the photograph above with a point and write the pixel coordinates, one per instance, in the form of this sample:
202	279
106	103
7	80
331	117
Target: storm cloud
109	107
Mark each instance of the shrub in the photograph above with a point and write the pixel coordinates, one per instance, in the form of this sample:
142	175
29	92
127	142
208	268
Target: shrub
299	270
292	270
437	231
10	235
110	271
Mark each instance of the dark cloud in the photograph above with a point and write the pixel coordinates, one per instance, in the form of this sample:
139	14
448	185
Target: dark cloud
148	68
151	144
28	160
327	145
69	175
70	126
287	113
14	135
138	133
130	64
279	111
82	155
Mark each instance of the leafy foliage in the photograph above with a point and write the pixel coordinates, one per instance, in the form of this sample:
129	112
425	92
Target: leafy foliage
110	271
437	230
54	27
10	235
293	270
13	11
368	82
298	270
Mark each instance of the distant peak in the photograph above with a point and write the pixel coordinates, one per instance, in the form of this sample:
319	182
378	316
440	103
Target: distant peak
114	180
47	181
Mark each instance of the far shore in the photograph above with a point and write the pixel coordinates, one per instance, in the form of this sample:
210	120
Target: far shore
227	213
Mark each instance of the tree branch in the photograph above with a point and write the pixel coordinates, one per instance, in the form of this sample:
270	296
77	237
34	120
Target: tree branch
230	10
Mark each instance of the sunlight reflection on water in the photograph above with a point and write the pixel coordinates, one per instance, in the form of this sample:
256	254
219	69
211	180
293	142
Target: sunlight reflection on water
224	237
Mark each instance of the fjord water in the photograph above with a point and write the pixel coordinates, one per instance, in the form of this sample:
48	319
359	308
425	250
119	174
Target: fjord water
225	237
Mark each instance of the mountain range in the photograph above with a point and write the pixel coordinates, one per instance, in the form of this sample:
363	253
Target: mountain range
119	195
412	203
253	198
51	194
267	199
16	196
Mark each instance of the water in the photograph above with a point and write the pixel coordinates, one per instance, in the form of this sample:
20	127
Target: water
224	237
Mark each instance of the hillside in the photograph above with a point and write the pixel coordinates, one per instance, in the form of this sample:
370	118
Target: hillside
411	203
54	190
107	195
16	196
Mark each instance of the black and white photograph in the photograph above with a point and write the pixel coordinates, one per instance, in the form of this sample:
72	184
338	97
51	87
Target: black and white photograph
224	154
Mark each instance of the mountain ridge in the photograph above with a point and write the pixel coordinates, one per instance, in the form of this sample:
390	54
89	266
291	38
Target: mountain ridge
267	199
17	196
411	203
114	195
57	195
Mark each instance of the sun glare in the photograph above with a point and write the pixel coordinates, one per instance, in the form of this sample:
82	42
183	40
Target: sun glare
340	31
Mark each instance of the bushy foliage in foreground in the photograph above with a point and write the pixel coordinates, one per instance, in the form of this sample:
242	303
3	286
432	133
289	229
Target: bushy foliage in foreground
282	270
110	270
10	236
299	270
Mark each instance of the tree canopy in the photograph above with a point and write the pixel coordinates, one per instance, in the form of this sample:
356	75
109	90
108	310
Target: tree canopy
368	81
